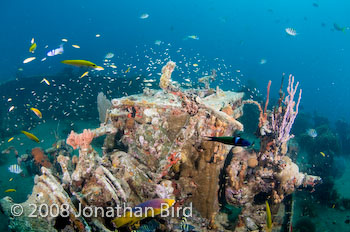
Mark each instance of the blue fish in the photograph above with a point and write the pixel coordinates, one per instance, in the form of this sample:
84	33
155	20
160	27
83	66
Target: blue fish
151	226
231	140
187	228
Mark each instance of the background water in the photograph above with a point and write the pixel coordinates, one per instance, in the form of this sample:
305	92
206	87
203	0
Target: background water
240	32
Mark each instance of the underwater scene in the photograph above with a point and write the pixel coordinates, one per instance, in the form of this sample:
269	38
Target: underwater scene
197	115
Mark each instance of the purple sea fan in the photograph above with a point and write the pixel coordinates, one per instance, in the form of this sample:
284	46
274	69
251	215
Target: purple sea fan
282	121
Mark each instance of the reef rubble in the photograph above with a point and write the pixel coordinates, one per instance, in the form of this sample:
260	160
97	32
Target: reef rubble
155	146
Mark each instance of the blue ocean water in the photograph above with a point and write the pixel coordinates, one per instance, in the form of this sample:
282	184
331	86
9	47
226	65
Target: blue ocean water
234	37
240	32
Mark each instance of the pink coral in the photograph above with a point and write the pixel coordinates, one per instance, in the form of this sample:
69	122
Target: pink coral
82	140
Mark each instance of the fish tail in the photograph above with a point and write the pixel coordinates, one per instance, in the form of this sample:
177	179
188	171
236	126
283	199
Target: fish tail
225	140
210	138
268	216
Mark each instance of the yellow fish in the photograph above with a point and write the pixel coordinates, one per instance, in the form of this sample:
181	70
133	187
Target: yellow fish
128	70
75	46
195	65
323	154
10	190
32	47
46	81
31	136
193	37
113	66
268	216
144	210
84	74
37	112
81	63
10	179
10	139
64	40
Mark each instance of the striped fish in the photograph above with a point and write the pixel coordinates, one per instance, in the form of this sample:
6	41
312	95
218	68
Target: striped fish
185	227
15	168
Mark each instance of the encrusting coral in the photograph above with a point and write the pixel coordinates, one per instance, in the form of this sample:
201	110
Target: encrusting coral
82	140
165	78
40	158
269	171
155	147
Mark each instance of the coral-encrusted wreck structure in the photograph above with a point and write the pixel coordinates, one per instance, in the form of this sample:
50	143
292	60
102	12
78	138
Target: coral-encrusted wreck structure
155	146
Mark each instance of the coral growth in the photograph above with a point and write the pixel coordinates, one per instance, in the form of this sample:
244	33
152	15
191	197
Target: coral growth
155	147
82	140
103	104
40	158
269	171
165	79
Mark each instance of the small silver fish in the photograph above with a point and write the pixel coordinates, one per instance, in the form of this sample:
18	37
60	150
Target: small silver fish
144	16
15	168
312	133
291	31
109	55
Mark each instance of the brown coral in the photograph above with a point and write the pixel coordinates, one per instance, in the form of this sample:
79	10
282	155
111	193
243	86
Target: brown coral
40	158
165	79
129	124
75	160
252	162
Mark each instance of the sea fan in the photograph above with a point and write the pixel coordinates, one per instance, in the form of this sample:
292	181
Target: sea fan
291	31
